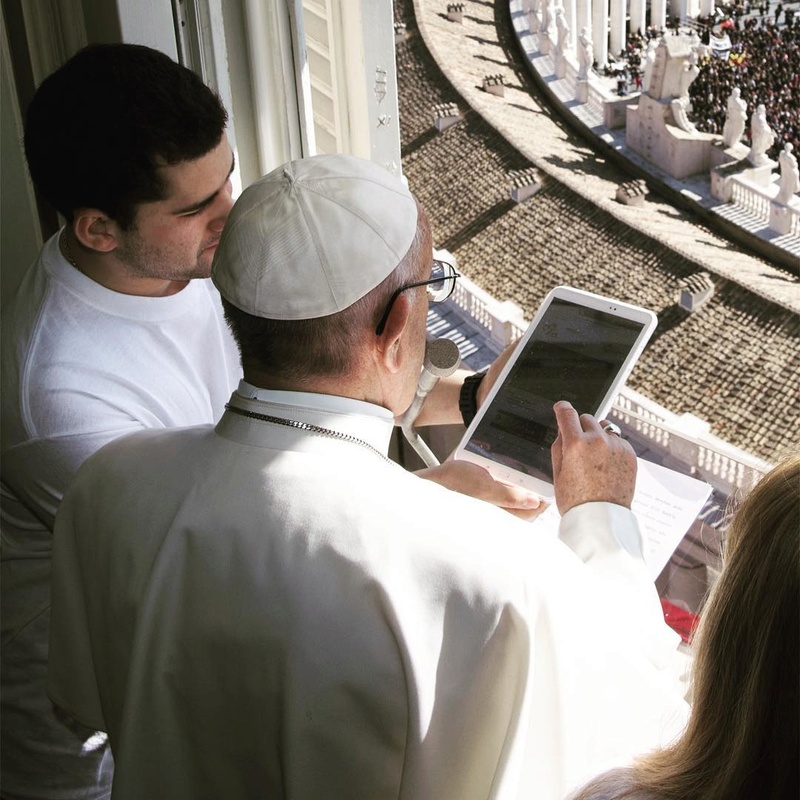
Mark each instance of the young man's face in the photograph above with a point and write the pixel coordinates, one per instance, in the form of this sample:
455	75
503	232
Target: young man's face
175	238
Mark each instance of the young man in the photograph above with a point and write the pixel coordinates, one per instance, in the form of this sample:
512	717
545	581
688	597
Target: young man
108	333
271	608
114	329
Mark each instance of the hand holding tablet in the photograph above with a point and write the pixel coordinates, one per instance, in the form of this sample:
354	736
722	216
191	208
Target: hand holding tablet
580	347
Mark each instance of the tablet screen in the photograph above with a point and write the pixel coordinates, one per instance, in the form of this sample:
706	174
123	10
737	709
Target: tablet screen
574	354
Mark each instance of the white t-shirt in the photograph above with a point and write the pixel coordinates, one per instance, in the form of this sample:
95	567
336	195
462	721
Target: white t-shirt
81	365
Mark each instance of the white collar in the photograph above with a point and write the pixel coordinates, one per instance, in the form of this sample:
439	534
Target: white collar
326	403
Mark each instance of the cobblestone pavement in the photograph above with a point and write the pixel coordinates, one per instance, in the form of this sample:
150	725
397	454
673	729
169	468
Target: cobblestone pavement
484	44
735	365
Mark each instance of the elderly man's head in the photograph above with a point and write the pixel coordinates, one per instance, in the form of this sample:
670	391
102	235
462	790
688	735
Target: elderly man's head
309	261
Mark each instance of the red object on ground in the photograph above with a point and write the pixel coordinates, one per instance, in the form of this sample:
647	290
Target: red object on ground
682	621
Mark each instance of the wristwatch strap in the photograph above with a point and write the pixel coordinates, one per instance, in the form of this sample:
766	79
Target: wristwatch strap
468	397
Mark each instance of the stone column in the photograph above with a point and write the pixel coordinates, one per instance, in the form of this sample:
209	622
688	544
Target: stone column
533	22
600	31
584	18
638	11
547	27
571	13
780	218
706	7
658	14
692	9
616	37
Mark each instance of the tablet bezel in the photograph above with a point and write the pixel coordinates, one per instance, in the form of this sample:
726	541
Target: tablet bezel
609	305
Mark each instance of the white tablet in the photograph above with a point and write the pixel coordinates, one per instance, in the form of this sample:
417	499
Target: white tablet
579	347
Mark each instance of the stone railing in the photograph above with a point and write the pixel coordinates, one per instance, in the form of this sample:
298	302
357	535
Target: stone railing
793	227
597	96
683	441
759	201
752	198
504	322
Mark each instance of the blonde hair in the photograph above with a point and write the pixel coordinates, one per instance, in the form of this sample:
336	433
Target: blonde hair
743	738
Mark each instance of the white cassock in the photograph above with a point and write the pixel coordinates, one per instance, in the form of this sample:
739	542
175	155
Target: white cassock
255	610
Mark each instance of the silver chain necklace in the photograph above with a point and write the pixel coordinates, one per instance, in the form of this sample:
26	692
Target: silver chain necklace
307	426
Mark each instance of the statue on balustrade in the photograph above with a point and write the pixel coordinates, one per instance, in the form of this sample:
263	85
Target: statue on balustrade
649	61
790	176
682	104
762	137
585	54
735	119
688	74
679	114
548	12
533	15
563	30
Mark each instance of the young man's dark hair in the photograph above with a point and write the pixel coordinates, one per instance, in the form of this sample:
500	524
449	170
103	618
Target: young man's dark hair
85	152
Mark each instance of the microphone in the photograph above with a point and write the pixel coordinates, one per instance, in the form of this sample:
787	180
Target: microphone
441	359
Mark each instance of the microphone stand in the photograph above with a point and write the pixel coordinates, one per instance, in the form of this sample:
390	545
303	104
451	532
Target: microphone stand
441	359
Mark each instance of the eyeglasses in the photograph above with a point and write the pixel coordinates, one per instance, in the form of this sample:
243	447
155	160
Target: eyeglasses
439	287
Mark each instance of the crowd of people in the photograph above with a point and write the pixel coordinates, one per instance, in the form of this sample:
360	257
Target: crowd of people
764	63
735	14
628	66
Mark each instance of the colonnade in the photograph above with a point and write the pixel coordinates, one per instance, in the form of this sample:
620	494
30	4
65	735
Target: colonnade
610	21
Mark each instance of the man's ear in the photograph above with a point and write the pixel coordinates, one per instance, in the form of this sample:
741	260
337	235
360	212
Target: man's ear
389	345
95	230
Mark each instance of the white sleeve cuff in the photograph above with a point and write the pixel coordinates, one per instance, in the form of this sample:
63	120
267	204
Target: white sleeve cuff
593	530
